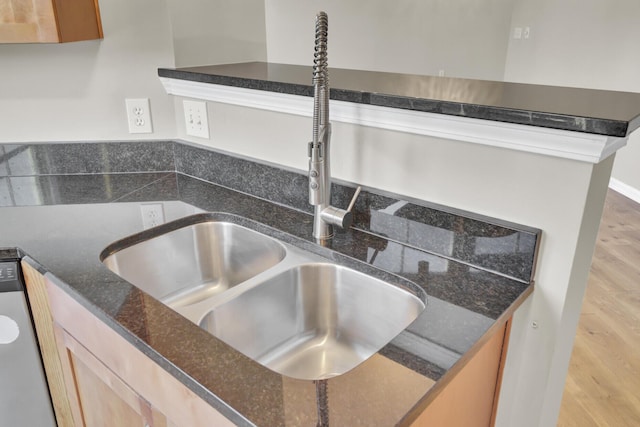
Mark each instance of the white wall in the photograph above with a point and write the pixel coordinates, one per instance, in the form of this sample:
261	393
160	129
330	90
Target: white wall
76	91
581	43
465	38
207	32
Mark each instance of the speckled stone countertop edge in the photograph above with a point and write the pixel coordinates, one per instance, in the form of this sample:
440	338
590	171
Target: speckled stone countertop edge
533	115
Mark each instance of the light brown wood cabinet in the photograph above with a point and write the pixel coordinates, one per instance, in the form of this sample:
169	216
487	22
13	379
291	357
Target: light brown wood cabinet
100	397
97	378
49	21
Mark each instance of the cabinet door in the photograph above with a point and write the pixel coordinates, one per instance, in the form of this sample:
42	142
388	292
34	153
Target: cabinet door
49	21
94	373
103	399
470	398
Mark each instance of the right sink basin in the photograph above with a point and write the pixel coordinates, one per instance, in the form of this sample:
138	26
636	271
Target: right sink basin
314	321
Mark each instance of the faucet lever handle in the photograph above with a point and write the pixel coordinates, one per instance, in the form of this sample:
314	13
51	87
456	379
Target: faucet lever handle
341	217
354	198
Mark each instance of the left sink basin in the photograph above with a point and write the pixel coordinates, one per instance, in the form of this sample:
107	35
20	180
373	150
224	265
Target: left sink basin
192	259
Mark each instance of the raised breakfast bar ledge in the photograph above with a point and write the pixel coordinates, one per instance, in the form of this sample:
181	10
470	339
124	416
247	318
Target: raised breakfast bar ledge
581	124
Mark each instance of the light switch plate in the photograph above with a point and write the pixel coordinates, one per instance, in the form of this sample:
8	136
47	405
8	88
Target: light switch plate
195	118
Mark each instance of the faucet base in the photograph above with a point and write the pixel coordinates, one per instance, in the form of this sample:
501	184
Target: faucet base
326	216
321	228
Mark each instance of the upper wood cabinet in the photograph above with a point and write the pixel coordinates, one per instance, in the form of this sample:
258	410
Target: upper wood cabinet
49	21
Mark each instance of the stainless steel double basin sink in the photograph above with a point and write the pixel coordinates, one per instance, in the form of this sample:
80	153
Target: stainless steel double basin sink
291	310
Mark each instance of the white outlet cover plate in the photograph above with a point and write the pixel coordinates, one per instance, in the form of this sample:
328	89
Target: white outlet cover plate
139	115
152	214
195	118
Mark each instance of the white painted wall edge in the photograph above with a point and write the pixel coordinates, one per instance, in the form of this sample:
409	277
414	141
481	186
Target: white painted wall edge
625	189
578	146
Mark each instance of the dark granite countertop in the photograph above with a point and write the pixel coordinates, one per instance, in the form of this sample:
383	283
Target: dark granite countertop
575	109
475	271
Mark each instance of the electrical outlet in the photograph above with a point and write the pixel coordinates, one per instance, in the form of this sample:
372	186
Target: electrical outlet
152	215
195	118
139	115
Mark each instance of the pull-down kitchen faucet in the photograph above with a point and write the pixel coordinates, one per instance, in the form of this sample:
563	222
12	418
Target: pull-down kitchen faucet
325	215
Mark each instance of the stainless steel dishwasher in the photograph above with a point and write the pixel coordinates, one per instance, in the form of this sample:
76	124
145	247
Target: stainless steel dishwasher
24	395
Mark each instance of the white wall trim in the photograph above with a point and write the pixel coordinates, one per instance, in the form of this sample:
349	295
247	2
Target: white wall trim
625	189
578	146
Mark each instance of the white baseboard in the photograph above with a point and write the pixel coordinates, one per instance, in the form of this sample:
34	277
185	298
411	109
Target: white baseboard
625	189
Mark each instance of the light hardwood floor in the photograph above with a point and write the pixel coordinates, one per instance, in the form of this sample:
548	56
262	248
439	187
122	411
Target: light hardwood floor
603	385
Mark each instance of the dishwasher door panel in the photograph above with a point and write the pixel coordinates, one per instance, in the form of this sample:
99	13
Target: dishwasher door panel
24	396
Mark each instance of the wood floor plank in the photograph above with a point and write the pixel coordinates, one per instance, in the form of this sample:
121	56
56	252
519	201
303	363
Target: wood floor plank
603	384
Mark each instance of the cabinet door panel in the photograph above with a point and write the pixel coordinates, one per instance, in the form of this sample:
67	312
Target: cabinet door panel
147	378
101	407
86	362
105	400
